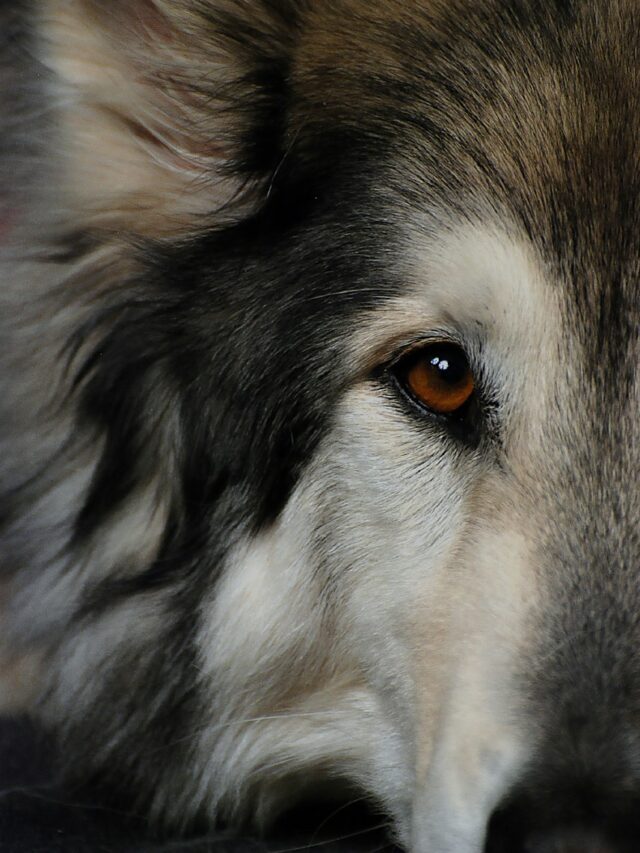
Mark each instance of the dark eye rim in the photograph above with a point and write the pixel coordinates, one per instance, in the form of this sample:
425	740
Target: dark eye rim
402	363
405	367
467	423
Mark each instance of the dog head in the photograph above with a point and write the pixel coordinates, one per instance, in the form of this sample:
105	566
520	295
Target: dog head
356	383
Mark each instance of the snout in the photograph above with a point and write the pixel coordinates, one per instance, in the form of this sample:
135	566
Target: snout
556	820
560	840
574	790
519	828
583	796
538	747
578	841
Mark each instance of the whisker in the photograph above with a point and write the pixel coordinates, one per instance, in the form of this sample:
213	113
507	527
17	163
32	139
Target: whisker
336	812
337	839
40	793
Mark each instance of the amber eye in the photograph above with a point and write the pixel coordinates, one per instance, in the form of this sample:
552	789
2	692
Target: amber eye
438	376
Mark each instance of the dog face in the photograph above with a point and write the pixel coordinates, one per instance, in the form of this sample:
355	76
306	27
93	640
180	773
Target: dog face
337	347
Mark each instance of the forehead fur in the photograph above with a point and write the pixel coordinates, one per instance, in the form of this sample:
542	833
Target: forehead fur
528	110
523	99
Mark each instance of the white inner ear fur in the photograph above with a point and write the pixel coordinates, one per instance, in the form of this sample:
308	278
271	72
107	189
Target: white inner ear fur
137	154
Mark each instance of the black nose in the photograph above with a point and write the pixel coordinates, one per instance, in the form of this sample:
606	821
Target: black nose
570	841
527	826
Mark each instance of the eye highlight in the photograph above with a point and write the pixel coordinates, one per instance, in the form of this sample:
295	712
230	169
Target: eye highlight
437	376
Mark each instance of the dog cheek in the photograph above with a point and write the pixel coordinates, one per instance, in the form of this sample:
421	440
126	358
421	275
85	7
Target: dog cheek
390	512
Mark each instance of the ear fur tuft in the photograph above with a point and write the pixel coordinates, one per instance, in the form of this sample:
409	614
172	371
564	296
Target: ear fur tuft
163	104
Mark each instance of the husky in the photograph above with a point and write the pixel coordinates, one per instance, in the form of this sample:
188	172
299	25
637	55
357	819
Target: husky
319	431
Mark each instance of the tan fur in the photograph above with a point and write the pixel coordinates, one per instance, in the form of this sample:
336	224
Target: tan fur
141	127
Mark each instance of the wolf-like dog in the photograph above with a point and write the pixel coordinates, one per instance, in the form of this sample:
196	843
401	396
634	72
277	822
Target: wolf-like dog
320	326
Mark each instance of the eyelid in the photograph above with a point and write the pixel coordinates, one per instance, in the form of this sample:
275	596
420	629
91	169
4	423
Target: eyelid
403	348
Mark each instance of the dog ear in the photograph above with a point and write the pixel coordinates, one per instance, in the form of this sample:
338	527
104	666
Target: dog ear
171	113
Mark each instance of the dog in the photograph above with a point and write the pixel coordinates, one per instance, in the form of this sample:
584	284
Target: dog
320	441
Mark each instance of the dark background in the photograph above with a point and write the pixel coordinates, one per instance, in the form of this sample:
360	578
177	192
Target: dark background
37	816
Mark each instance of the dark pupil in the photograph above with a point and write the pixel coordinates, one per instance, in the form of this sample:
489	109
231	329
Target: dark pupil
449	363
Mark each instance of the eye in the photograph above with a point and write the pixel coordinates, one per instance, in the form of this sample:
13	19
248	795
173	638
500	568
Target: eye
437	376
